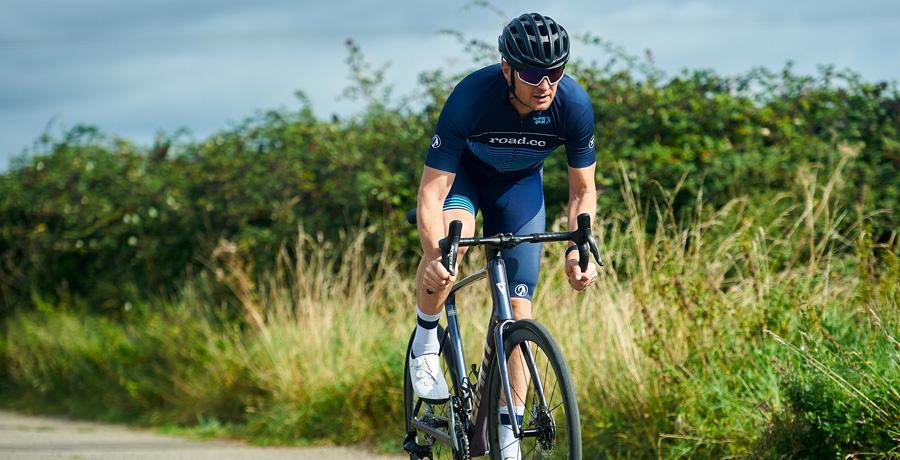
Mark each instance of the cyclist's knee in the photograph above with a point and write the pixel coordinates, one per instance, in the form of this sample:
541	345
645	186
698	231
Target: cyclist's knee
521	308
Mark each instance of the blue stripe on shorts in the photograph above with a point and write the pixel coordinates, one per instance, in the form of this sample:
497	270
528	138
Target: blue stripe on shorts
459	202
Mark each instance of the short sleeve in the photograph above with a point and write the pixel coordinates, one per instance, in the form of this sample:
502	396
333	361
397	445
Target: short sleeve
580	152
449	140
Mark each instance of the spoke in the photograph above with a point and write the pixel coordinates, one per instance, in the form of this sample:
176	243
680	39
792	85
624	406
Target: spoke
530	451
525	370
504	447
516	395
550	399
546	371
553	390
554	407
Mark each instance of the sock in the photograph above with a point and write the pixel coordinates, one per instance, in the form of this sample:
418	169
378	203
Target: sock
426	339
507	439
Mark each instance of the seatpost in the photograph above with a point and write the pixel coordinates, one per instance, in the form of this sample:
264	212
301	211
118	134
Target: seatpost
496	268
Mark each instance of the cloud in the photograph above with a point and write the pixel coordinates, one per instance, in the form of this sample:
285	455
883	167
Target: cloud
136	67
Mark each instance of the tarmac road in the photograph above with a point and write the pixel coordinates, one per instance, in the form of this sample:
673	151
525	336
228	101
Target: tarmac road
32	438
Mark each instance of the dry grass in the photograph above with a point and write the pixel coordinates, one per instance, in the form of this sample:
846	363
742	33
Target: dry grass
667	350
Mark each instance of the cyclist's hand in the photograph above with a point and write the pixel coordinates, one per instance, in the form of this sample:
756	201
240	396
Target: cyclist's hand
436	277
578	279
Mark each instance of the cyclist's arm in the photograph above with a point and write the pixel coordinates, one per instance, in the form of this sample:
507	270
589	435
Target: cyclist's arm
581	155
582	199
433	190
582	194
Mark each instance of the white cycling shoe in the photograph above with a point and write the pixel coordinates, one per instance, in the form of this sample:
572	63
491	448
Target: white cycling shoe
427	379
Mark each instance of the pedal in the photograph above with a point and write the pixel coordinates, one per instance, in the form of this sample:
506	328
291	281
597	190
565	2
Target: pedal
410	445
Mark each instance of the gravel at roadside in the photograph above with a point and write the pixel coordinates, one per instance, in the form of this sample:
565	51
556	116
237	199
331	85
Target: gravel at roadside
32	438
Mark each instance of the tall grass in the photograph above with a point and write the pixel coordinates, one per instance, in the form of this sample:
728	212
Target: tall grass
750	330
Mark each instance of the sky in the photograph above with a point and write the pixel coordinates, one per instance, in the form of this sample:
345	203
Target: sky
136	68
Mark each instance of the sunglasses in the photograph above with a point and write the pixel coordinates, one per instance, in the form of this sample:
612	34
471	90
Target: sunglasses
534	77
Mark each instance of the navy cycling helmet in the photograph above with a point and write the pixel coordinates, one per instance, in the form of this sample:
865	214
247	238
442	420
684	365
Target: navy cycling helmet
534	41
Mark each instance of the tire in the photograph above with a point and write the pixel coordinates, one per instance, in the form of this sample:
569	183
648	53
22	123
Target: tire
558	423
439	451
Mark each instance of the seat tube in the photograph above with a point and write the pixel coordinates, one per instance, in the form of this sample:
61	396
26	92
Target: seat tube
502	314
496	271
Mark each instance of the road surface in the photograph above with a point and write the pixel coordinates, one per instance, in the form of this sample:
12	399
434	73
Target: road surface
32	438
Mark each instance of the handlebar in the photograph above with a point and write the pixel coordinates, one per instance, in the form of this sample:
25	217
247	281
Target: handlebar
582	236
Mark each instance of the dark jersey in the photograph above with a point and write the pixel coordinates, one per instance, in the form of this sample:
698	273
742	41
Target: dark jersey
479	128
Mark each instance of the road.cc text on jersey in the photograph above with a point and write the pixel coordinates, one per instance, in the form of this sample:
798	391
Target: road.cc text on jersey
518	141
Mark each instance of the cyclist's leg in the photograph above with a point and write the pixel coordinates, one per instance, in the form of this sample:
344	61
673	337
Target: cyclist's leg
519	209
461	204
522	269
424	363
433	303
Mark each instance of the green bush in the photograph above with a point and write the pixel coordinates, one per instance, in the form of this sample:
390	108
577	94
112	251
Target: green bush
134	222
93	216
840	389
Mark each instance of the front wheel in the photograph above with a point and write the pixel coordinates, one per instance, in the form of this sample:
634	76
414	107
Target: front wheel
536	366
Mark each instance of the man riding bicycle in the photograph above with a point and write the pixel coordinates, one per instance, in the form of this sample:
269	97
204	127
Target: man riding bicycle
493	134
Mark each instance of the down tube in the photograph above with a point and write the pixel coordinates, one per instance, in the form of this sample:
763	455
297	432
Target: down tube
456	346
502	312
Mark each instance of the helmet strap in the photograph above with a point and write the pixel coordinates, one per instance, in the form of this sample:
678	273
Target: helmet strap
512	86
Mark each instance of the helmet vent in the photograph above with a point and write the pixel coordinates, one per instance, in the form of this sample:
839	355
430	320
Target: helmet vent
520	43
535	41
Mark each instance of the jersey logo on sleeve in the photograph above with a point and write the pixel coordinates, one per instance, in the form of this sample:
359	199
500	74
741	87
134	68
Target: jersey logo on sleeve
436	141
591	144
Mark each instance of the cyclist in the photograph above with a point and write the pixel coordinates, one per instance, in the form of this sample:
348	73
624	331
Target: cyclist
493	134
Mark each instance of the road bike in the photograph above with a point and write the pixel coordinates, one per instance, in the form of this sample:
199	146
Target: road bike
466	425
